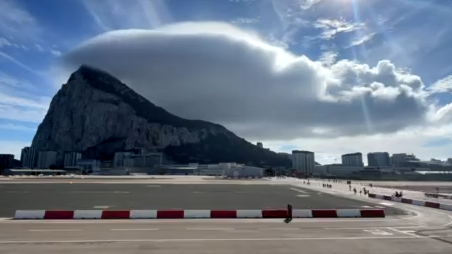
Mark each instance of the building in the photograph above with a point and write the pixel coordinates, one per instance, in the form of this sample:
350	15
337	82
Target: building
242	171
303	162
336	169
378	159
46	159
29	157
71	158
89	165
260	145
6	162
118	160
352	159
142	160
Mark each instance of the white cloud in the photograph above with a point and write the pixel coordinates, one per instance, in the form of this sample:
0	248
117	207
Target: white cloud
443	85
55	52
259	91
413	140
118	14
361	39
328	58
332	27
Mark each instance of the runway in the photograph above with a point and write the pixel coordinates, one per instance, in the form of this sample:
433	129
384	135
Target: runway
88	196
417	231
225	236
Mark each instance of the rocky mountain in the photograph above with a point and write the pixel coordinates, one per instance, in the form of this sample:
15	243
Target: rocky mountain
96	114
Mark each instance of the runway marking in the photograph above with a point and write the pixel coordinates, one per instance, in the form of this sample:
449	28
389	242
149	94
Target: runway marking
298	190
101	207
222	229
134	229
54	230
219	239
405	232
377	232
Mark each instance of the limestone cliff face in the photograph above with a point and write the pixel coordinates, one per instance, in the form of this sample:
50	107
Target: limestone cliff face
98	115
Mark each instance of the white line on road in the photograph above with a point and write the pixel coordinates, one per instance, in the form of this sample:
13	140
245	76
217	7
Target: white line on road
209	228
54	230
220	240
298	190
405	232
302	196
134	229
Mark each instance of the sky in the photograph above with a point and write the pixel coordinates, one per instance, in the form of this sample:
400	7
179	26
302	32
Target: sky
329	76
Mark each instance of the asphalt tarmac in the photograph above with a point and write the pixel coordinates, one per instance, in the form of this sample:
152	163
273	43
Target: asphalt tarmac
311	236
67	196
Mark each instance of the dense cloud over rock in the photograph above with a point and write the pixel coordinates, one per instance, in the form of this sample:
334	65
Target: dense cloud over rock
216	72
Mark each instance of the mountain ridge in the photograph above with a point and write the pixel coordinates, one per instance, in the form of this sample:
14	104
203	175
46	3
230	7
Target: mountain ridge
96	114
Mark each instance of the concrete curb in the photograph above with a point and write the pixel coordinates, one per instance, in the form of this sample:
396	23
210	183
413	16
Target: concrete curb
435	205
197	214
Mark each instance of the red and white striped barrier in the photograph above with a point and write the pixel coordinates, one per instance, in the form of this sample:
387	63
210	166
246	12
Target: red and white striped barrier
196	214
424	203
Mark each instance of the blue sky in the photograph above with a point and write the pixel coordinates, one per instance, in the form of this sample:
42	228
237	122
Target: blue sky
414	35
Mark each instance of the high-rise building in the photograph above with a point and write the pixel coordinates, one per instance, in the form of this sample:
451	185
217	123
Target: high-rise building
303	161
378	159
71	158
46	159
29	157
352	159
260	145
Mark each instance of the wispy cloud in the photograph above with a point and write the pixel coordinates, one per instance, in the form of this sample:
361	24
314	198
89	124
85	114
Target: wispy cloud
328	58
16	102
332	27
17	62
443	85
361	40
306	4
245	21
17	22
15	127
118	14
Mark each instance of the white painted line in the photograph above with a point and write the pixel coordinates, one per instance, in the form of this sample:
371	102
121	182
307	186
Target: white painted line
377	232
298	190
405	232
209	228
220	240
134	229
302	196
386	204
54	230
101	207
366	206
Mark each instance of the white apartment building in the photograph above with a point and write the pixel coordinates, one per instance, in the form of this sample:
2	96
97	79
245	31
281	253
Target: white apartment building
46	159
303	161
352	159
71	158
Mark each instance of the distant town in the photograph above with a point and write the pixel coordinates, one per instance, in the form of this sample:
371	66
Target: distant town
152	161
